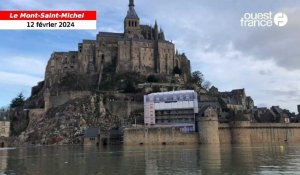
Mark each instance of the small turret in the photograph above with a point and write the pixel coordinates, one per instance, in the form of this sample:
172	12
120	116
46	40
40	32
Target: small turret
162	34
131	3
155	31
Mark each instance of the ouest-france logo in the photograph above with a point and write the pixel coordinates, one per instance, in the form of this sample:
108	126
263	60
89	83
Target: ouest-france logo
266	19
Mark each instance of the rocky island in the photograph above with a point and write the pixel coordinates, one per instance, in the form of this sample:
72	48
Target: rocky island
102	85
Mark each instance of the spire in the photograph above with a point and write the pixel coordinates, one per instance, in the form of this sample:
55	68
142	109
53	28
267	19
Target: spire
155	31
131	14
131	3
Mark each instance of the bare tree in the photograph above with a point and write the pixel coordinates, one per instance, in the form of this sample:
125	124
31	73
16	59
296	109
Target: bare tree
206	85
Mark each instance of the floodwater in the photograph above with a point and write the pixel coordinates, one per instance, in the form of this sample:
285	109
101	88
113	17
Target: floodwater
173	160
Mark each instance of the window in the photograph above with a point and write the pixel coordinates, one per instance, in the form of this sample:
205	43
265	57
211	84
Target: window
102	58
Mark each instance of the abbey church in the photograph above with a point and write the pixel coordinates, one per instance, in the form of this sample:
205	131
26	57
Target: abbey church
140	48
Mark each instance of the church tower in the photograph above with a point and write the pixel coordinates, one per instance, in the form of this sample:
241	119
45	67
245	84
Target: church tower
132	23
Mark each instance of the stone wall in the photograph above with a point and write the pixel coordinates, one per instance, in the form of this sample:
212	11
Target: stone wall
184	64
4	128
245	133
90	141
63	97
166	57
208	127
86	56
154	136
123	108
124	105
224	133
138	56
234	133
60	64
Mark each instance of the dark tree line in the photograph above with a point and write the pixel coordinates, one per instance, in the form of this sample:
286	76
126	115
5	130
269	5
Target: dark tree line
18	101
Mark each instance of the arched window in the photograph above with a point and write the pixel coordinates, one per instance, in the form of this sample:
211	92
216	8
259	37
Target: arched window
102	58
135	24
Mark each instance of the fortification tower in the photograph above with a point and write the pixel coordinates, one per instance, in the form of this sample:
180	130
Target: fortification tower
208	126
240	132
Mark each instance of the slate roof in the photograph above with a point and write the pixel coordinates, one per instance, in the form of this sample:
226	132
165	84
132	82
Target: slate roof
214	104
91	132
111	34
145	26
277	109
131	14
203	109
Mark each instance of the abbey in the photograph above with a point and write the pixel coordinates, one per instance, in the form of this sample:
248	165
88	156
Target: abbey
140	48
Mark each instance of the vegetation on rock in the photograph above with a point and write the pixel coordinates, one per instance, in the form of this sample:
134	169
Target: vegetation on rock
18	101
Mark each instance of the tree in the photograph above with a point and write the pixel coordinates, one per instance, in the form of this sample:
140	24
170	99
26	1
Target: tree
197	78
18	101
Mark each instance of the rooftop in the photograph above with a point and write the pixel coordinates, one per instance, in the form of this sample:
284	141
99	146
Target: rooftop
110	34
173	92
91	132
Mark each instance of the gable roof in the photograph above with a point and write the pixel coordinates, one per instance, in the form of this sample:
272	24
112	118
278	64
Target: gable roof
111	34
91	132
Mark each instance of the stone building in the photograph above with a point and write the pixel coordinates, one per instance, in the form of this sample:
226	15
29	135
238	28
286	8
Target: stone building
274	114
91	136
140	48
4	125
237	100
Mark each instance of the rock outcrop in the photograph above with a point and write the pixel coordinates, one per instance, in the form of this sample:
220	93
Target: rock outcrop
65	124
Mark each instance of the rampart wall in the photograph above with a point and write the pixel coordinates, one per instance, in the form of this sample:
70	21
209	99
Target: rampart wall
233	133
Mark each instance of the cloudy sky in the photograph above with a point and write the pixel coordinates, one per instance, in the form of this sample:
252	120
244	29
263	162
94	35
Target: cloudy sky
264	61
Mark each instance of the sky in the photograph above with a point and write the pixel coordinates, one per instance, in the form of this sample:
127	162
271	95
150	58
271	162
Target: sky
263	60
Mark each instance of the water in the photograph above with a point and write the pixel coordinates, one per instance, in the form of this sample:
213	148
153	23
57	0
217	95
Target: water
173	160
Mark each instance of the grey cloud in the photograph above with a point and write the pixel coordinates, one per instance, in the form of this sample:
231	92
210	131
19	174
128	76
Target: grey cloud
288	94
262	105
208	26
278	44
265	72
